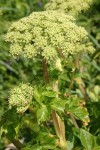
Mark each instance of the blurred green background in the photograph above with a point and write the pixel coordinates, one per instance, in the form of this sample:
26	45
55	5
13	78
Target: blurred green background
13	71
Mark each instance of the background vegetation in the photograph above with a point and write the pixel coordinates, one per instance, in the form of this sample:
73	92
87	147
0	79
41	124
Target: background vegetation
13	71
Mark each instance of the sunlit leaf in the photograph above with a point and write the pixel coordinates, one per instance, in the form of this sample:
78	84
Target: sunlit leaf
77	107
58	104
49	93
97	148
87	139
42	114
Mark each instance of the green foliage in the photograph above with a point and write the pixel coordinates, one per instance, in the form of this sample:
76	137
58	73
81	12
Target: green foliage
42	114
60	104
77	107
87	139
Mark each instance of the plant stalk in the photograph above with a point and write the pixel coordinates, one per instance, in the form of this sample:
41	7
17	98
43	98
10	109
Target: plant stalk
58	123
18	144
80	82
70	86
45	71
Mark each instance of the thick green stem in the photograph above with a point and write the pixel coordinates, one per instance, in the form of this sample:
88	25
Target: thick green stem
60	130
58	123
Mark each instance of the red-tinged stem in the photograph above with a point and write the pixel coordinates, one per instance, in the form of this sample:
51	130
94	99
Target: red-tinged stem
45	71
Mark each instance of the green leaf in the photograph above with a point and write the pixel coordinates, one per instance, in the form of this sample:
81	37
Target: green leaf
97	148
70	142
39	147
2	131
35	147
33	125
94	64
1	112
58	104
87	139
81	113
76	107
64	77
51	147
45	138
49	94
10	132
42	114
8	67
37	96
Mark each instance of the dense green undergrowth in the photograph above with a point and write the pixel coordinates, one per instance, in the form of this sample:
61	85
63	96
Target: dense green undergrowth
80	111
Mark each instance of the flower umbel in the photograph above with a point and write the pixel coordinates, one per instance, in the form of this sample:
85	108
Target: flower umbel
47	34
21	97
71	7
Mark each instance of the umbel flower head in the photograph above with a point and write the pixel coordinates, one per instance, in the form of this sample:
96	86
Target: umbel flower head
21	97
47	34
71	7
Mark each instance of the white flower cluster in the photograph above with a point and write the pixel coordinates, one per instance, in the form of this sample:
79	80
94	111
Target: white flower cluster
71	7
48	34
21	97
